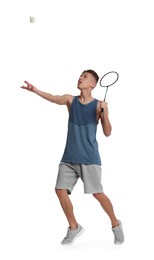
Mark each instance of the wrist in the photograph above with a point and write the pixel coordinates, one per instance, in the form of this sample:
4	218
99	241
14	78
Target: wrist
36	91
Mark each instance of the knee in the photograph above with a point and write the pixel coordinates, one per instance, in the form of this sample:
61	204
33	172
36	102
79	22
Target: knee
97	195
60	192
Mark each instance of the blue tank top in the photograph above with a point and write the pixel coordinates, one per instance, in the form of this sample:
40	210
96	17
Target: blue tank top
81	145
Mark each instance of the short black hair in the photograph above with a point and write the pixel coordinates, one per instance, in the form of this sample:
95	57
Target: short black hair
95	75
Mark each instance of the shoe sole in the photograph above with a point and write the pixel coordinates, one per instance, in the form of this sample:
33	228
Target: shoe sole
70	243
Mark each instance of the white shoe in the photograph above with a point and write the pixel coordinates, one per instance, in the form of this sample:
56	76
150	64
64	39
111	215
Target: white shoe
72	234
118	234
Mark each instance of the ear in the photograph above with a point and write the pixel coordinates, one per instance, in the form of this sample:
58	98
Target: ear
93	85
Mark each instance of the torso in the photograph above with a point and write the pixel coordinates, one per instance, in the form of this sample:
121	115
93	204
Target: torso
81	145
70	99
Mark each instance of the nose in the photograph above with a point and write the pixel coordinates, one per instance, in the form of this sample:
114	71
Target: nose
81	77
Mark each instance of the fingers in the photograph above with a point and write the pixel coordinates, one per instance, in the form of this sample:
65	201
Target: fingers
27	82
28	87
103	106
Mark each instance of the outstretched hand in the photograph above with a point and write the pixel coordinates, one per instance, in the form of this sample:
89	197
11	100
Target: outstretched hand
29	86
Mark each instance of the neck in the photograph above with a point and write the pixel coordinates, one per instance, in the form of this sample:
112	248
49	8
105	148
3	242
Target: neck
85	96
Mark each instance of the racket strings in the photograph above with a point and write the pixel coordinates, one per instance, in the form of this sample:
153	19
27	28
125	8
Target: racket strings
108	80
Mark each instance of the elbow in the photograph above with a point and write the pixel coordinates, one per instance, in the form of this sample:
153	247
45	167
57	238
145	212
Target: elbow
107	133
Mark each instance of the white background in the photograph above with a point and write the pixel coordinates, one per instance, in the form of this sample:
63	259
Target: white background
68	37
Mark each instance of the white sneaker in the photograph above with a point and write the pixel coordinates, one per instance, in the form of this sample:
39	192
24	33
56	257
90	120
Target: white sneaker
72	235
118	234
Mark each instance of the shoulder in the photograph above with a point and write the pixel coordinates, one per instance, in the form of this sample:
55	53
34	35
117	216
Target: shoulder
98	104
68	99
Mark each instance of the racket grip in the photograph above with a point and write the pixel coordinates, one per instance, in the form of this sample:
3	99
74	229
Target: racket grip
102	109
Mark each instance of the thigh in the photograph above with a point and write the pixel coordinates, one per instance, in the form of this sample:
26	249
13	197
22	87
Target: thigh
67	177
91	177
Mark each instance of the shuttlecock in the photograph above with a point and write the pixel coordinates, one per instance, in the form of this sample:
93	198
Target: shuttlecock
32	19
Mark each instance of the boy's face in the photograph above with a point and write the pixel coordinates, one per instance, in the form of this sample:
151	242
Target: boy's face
86	81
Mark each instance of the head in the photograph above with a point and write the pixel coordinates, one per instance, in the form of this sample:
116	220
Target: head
88	80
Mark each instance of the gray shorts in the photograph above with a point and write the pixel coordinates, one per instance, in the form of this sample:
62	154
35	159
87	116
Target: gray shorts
68	175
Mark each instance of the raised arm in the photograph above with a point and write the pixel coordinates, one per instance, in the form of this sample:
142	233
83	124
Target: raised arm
57	99
106	125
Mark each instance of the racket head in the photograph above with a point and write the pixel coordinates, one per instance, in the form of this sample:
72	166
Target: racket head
109	79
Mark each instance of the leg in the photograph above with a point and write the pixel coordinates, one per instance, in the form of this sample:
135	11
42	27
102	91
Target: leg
107	206
116	225
67	207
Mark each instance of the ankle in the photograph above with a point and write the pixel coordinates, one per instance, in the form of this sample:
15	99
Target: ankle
115	224
73	226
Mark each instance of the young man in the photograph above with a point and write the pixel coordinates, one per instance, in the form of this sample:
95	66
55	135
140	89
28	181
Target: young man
81	155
